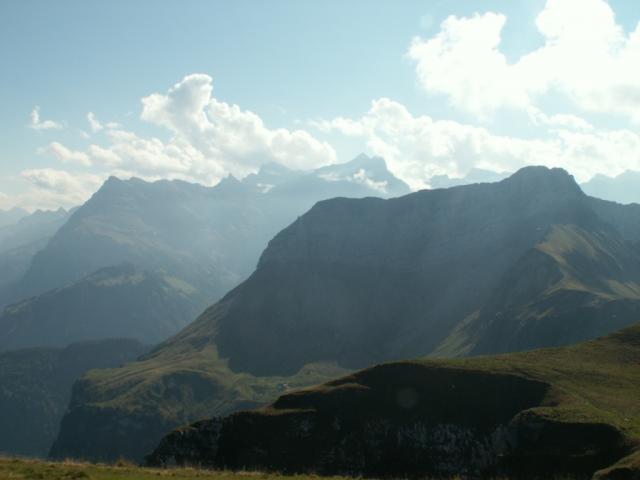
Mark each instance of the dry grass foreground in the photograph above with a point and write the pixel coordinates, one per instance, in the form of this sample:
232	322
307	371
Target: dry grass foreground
28	469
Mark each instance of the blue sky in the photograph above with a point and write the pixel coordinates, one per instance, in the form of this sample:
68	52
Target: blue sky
308	73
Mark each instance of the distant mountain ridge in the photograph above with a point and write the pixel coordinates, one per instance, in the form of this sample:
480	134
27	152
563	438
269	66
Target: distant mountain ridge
19	242
624	188
527	262
113	302
202	232
205	239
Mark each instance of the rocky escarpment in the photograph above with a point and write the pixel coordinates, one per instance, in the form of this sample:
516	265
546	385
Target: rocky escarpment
402	420
570	411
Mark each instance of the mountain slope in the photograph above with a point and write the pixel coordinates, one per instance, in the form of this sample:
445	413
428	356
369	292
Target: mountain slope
19	242
572	286
359	282
210	237
546	413
114	302
35	386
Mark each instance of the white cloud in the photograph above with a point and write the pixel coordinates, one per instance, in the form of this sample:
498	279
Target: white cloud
418	147
103	156
51	188
6	201
38	124
66	155
586	57
210	139
95	125
236	140
567	121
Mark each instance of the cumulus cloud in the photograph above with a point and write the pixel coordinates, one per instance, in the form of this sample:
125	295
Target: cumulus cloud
419	147
65	155
236	140
50	188
209	139
38	124
586	57
94	124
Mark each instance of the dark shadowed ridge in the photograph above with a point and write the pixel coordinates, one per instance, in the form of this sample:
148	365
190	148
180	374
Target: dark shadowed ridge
36	386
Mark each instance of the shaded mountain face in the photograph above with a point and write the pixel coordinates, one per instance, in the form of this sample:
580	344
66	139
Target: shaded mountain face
20	241
625	188
209	237
552	413
114	302
527	262
35	386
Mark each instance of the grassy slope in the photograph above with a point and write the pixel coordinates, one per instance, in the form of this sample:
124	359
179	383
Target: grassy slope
19	469
135	386
583	269
594	383
183	382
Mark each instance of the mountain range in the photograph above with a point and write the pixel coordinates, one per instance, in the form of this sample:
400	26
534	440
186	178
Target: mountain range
524	263
191	244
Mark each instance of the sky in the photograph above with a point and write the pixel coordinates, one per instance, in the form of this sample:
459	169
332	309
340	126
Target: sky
197	90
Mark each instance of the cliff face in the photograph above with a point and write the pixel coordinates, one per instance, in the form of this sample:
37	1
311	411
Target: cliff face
569	411
524	263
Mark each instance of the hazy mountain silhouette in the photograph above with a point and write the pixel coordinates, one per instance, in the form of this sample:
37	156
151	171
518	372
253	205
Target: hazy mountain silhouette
625	188
11	216
19	242
209	236
114	302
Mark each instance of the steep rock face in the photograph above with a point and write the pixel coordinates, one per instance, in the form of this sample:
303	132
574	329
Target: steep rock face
35	387
568	411
114	302
524	263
